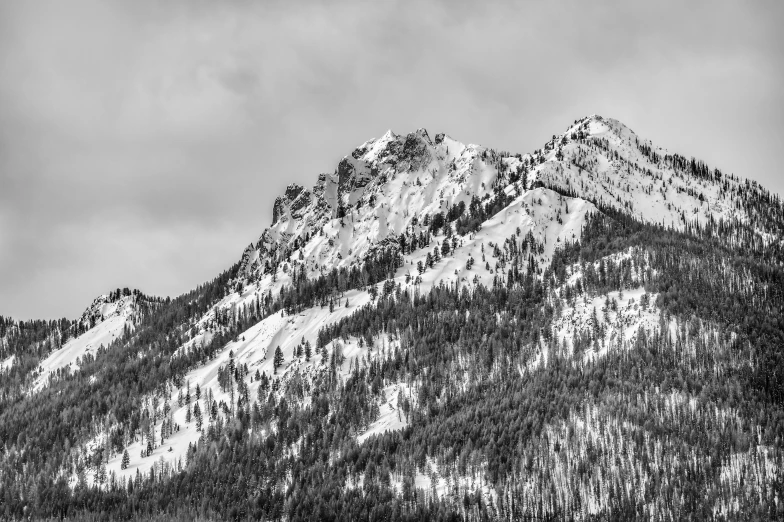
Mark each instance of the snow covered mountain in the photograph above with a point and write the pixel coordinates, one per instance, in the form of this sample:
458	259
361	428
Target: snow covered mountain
386	196
524	268
392	185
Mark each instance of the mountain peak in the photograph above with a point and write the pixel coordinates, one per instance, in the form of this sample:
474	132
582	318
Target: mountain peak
422	133
594	124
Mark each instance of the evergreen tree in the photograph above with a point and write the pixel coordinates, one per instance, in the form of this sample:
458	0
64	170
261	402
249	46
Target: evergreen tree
445	248
197	414
100	476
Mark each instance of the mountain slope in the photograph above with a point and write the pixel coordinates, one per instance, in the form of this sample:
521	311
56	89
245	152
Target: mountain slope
105	320
591	330
602	160
382	189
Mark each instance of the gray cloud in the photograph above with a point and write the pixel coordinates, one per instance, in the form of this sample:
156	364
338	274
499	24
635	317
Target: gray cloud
143	143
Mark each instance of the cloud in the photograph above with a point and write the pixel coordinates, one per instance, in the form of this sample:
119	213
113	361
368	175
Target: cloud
143	143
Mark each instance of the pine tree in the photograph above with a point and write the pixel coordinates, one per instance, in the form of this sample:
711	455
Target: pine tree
197	414
126	460
278	359
100	475
261	391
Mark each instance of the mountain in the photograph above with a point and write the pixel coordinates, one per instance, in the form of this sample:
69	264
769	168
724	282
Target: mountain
109	317
590	330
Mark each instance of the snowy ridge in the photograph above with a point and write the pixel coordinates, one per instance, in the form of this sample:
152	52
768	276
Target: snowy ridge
388	186
383	188
602	160
106	319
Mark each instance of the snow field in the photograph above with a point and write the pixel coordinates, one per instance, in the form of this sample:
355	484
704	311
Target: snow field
115	316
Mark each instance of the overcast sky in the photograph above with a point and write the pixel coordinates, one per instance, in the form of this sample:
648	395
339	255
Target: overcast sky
142	143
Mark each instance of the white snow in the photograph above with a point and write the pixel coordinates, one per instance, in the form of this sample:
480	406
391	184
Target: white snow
621	326
653	192
7	362
115	316
391	417
254	347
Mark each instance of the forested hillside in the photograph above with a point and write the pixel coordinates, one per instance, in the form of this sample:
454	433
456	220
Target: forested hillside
435	331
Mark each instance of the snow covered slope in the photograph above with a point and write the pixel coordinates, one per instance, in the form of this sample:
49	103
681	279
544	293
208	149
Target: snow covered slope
383	188
602	160
254	348
106	320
